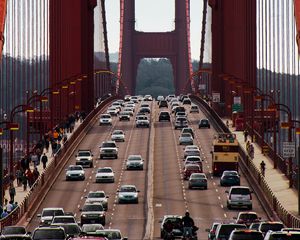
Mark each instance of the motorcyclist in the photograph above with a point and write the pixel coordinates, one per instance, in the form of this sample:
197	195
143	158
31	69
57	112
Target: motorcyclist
188	224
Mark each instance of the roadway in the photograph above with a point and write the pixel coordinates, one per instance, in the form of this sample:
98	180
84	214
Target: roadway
170	195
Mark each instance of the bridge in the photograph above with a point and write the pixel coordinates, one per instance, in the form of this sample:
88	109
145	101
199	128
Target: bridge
51	75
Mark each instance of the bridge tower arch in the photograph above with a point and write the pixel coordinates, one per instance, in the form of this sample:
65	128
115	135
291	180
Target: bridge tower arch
136	45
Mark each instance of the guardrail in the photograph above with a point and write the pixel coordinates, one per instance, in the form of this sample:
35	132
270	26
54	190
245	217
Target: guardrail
270	202
42	185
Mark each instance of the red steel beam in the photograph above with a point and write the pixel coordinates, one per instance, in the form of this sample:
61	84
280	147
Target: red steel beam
297	17
2	24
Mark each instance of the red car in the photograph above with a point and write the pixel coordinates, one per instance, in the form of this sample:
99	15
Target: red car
189	169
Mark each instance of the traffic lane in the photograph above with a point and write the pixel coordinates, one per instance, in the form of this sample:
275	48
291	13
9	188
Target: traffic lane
204	138
76	191
168	196
131	218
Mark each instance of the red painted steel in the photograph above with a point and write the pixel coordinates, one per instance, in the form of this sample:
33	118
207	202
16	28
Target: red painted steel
136	45
2	24
297	16
233	43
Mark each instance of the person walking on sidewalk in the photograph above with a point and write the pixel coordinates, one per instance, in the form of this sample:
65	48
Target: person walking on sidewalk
12	192
262	167
44	160
19	175
24	182
245	135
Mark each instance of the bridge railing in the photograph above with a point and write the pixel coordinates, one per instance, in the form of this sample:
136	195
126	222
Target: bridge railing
28	207
265	194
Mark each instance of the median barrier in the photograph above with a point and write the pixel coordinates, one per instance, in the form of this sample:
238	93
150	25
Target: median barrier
274	209
28	207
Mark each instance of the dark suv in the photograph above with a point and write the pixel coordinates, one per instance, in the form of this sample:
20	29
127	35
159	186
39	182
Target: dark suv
57	233
163	103
92	213
164	116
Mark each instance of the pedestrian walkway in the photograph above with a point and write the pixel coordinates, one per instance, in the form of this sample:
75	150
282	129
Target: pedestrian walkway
20	193
276	180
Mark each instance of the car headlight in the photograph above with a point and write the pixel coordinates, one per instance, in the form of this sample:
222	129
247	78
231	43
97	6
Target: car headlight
80	174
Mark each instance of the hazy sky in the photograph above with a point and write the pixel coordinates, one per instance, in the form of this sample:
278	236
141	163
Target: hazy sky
157	16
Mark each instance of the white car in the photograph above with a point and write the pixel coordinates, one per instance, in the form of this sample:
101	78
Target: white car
142	121
194	109
193	160
124	116
118	136
105	174
148	98
113	111
109	149
105	119
191	147
186	139
75	172
191	152
159	98
128	110
97	197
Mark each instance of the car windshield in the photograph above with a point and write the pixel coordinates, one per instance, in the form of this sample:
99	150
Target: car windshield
49	234
226	230
71	229
174	220
285	236
128	189
247	235
204	121
181	119
74	168
164	113
230	173
192	167
117	132
185	135
108	144
104	170
91	227
240	191
64	220
84	154
13	230
105	116
271	226
248	216
194	107
51	213
96	195
142	118
92	208
110	234
134	158
193	159
191	147
198	176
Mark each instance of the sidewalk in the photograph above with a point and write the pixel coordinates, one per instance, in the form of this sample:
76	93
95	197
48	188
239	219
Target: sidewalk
20	193
276	180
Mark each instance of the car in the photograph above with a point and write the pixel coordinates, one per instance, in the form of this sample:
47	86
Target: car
63	219
145	104
178	109
105	119
162	104
191	147
198	180
266	226
189	169
223	230
180	122
91	228
164	116
176	220
113	111
51	232
186	101
239	196
134	162
48	214
84	157
128	194
186	139
128	110
204	123
139	114
134	99
182	96
72	230
127	98
191	152
281	235
212	231
75	172
13	231
175	104
117	105
105	174
118	136
194	160
188	130
142	121
194	109
230	178
97	197
245	234
108	149
247	218
145	110
92	213
290	230
124	116
181	114
160	98
148	98
112	234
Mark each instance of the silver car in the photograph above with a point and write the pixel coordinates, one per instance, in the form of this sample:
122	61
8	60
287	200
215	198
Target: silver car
128	194
105	174
118	136
135	162
75	172
186	139
97	197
